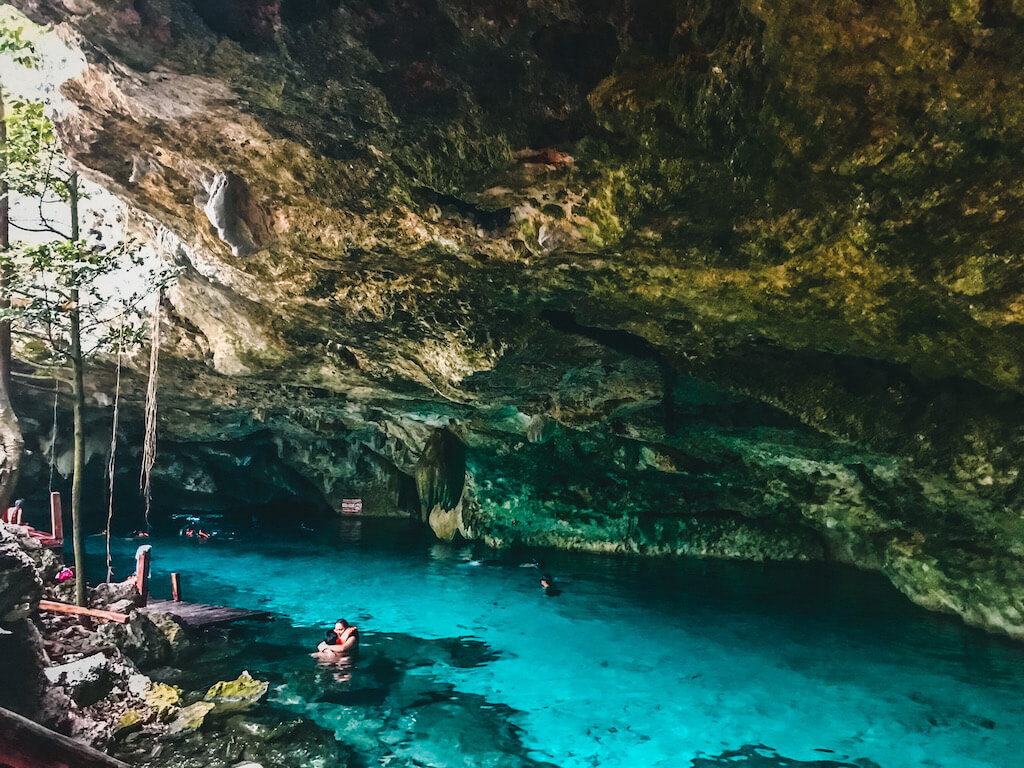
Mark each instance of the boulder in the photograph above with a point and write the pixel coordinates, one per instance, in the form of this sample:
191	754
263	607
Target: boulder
139	638
86	680
132	720
20	584
236	695
177	635
191	718
107	594
163	698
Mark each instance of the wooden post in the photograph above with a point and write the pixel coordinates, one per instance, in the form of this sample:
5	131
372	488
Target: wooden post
56	517
142	572
176	586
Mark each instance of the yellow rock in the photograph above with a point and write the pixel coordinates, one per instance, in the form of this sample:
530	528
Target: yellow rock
163	698
191	717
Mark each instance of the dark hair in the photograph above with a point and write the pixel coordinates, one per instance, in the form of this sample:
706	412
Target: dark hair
331	637
343	622
547	577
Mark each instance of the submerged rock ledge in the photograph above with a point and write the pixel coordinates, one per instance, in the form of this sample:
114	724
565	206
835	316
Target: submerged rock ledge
738	279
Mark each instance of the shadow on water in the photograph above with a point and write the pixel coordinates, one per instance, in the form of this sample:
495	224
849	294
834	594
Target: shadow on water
760	756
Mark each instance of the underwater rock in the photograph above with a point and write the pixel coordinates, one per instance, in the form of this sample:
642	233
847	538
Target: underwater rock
190	718
163	698
236	695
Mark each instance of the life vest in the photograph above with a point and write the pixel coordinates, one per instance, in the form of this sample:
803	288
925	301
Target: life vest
346	634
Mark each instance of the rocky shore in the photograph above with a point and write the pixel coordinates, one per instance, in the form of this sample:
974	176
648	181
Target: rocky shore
112	686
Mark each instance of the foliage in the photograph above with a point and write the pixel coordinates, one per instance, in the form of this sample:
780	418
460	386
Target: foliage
14	44
34	160
45	277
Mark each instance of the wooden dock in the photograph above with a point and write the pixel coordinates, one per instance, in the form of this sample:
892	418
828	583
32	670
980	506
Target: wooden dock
200	615
195	615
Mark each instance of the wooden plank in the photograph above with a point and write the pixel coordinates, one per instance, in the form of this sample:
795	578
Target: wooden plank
77	610
176	586
24	744
202	615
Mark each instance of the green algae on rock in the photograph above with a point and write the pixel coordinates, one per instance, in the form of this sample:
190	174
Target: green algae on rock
236	695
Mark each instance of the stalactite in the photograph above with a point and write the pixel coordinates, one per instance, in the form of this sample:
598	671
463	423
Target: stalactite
441	472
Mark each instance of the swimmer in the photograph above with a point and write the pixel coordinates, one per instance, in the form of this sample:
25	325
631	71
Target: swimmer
547	583
345	642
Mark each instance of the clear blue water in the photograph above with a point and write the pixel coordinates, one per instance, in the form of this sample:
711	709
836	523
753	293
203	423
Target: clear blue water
636	663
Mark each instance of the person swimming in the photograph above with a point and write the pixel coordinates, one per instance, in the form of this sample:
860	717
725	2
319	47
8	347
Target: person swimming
342	641
547	583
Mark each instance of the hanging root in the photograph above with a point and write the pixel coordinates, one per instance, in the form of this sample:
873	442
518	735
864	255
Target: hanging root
112	459
149	442
53	434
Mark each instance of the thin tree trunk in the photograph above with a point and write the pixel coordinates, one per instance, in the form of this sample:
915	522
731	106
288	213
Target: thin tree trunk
78	394
10	431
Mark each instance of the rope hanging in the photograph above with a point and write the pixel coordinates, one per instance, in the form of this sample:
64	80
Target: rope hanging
149	442
53	433
113	454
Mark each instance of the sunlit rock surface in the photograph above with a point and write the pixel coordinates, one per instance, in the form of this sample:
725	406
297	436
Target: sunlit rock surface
735	279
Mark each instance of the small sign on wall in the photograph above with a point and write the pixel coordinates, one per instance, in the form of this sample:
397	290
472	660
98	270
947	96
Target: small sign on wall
351	506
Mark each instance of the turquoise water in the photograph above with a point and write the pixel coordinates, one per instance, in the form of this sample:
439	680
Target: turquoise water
636	663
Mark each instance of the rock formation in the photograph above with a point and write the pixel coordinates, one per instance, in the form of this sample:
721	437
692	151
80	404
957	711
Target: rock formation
733	279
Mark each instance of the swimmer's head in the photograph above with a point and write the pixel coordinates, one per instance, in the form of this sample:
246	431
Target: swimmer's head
331	637
341	623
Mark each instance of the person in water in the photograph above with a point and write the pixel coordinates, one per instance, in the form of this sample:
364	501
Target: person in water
344	643
547	583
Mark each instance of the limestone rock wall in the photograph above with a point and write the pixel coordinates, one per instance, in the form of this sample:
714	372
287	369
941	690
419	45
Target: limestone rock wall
734	278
